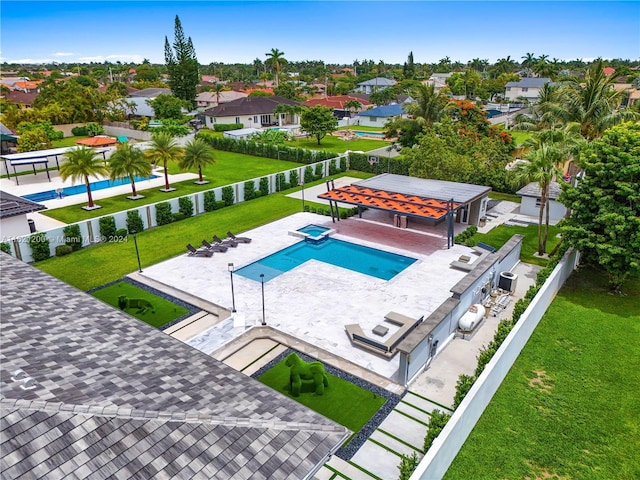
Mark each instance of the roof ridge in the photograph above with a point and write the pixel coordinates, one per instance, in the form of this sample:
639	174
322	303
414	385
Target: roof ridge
163	416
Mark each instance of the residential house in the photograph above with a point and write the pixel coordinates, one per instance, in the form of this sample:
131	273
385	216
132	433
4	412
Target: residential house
531	202
138	100
375	84
25	99
378	116
89	392
527	88
13	215
438	80
631	94
252	112
213	99
337	104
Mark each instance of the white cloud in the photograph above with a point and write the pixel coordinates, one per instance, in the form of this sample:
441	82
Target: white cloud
112	58
63	54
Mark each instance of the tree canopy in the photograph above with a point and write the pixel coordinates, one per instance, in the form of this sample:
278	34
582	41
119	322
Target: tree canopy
182	65
318	121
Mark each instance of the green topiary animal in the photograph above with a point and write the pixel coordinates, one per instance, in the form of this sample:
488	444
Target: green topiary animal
305	371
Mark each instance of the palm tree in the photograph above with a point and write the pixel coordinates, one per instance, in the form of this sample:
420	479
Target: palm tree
129	161
197	154
218	87
545	113
82	163
277	60
429	105
163	149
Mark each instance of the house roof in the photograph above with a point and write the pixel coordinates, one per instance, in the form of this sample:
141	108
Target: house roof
608	71
114	397
248	106
426	187
140	106
384	111
150	92
24	98
529	82
12	206
224	97
379	81
336	102
533	190
4	129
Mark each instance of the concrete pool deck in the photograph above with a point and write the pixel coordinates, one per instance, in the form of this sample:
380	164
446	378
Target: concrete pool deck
315	301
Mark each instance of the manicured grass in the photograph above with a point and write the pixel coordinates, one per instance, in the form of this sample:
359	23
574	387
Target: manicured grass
499	235
100	264
343	402
510	197
68	141
335	144
568	408
229	168
362	129
165	311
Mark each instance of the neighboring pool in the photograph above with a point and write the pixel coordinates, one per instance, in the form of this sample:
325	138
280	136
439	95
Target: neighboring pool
358	258
368	134
77	189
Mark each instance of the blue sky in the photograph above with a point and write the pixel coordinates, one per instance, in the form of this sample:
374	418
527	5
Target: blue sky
334	31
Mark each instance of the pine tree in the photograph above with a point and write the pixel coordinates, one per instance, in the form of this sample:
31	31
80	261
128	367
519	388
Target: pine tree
182	65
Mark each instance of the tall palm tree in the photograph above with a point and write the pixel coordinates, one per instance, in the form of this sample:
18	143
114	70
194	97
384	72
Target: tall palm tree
82	163
593	104
429	105
164	148
197	154
128	162
277	60
218	87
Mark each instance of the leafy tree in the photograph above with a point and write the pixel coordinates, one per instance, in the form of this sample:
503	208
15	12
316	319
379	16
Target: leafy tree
33	140
167	106
164	149
147	72
605	205
383	96
82	103
46	127
286	90
182	65
82	163
128	162
197	154
318	121
276	61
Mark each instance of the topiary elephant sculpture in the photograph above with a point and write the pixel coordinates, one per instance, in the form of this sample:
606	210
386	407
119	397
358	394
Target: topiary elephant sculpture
302	371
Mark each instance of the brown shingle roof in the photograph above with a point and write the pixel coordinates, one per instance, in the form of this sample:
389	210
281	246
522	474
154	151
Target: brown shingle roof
249	106
11	206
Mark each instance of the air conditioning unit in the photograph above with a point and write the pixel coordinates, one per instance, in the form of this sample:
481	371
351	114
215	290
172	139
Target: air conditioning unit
507	281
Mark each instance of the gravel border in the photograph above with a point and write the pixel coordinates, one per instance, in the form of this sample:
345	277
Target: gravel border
348	451
191	308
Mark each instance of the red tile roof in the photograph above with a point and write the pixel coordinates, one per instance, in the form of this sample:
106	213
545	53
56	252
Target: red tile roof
336	102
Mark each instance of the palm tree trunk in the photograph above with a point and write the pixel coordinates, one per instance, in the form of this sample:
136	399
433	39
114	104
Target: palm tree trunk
540	245
546	223
133	185
200	174
87	184
166	177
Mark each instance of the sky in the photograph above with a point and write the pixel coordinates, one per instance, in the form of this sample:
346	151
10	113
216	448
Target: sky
334	31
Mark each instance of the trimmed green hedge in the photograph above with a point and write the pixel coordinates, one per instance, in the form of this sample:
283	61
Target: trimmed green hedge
225	127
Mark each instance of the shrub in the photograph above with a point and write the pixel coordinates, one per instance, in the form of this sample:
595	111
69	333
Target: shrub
308	174
264	184
62	250
79	131
436	423
94	129
72	237
408	464
107	228
185	206
333	169
249	191
210	201
5	247
319	171
293	178
280	182
463	385
163	214
134	222
343	164
227	196
178	216
39	244
463	237
225	127
121	234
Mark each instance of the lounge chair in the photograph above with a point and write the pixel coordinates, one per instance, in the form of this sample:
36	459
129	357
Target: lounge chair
198	252
227	243
214	248
238	239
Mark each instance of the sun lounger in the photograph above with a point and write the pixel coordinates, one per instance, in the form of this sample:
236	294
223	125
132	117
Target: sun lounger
198	252
214	248
238	239
226	243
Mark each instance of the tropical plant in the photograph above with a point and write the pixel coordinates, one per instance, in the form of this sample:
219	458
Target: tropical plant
129	161
82	163
163	149
182	65
197	154
429	105
276	61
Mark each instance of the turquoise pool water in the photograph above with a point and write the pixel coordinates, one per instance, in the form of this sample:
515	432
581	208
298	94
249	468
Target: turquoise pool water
77	189
358	258
368	134
313	230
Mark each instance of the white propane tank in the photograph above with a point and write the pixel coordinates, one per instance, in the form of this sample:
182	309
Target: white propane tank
473	316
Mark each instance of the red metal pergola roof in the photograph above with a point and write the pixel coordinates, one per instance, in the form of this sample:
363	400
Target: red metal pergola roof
413	205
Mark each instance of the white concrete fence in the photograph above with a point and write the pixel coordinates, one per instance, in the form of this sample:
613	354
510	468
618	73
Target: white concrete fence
446	446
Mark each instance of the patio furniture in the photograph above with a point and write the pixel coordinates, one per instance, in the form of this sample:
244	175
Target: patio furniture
238	239
198	252
386	348
214	248
227	243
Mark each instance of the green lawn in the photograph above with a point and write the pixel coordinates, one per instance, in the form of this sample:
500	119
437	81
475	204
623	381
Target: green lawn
362	129
165	311
499	235
229	168
510	197
335	144
343	402
569	408
68	141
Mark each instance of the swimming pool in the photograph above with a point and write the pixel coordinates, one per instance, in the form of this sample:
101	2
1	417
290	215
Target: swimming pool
358	258
369	134
77	189
313	230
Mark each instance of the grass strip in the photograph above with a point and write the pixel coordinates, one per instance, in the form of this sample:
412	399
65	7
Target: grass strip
411	418
336	473
364	470
403	401
429	400
381	445
391	435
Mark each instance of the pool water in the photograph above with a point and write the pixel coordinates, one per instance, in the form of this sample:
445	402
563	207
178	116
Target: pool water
77	189
313	230
369	134
358	258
